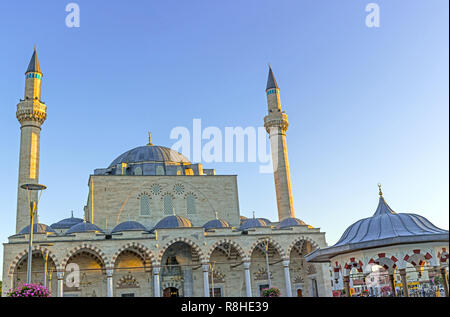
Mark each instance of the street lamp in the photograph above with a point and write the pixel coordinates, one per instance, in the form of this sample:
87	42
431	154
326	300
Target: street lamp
33	206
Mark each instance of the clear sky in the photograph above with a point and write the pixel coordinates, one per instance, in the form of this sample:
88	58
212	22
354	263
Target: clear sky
365	105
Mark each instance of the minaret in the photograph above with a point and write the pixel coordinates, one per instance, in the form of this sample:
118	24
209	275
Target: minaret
276	124
31	113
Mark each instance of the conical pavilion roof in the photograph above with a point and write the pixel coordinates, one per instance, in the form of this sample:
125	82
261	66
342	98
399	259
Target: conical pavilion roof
384	228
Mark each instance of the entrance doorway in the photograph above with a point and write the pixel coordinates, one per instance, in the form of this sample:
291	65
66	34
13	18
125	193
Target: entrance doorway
170	292
299	293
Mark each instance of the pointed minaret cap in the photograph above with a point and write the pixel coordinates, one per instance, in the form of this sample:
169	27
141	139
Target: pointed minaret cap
271	82
34	63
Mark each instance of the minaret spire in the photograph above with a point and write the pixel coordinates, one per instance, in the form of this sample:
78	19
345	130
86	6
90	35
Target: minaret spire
271	82
33	66
276	124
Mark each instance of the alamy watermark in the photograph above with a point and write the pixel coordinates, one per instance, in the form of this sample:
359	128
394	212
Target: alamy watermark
73	18
230	145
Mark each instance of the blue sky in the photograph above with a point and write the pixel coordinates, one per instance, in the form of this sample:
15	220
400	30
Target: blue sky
365	105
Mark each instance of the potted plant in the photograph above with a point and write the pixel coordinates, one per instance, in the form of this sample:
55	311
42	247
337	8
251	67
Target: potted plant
29	290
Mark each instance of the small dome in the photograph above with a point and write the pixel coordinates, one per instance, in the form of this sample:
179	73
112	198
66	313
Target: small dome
216	224
291	222
66	223
128	226
150	153
37	228
84	227
173	222
387	224
254	223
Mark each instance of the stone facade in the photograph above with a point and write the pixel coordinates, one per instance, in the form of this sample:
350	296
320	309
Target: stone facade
114	199
133	256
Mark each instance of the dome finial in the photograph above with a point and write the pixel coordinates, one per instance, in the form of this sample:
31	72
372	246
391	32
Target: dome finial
150	139
72	213
253	215
379	189
217	215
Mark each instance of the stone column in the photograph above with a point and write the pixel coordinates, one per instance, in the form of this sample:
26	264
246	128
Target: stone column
404	283
392	283
347	285
445	282
248	285
287	277
60	290
109	282
205	268
156	284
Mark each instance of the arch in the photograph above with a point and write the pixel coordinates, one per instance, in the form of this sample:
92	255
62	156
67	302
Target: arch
443	256
388	263
189	242
130	246
314	244
21	255
275	244
353	263
417	258
138	171
231	242
85	246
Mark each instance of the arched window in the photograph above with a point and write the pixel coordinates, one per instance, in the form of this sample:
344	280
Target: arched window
168	204
145	205
179	171
190	204
138	171
159	170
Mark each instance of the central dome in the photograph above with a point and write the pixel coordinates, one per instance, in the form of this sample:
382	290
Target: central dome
150	153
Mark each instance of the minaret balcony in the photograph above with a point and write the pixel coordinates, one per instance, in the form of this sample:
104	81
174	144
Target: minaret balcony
31	110
277	120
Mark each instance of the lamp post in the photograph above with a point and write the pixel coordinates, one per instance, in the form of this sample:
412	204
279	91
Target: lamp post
33	206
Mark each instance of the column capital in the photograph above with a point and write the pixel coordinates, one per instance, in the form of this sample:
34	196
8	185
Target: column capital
60	275
205	267
286	263
246	265
109	272
156	270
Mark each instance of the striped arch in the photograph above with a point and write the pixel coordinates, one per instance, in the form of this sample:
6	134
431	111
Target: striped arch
388	263
417	258
275	244
314	244
130	246
24	253
231	242
81	247
353	263
443	256
189	242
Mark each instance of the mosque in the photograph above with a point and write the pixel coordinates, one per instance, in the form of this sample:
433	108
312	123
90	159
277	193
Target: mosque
156	224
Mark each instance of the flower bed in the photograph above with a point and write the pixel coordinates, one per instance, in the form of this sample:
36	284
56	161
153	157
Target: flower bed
29	290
